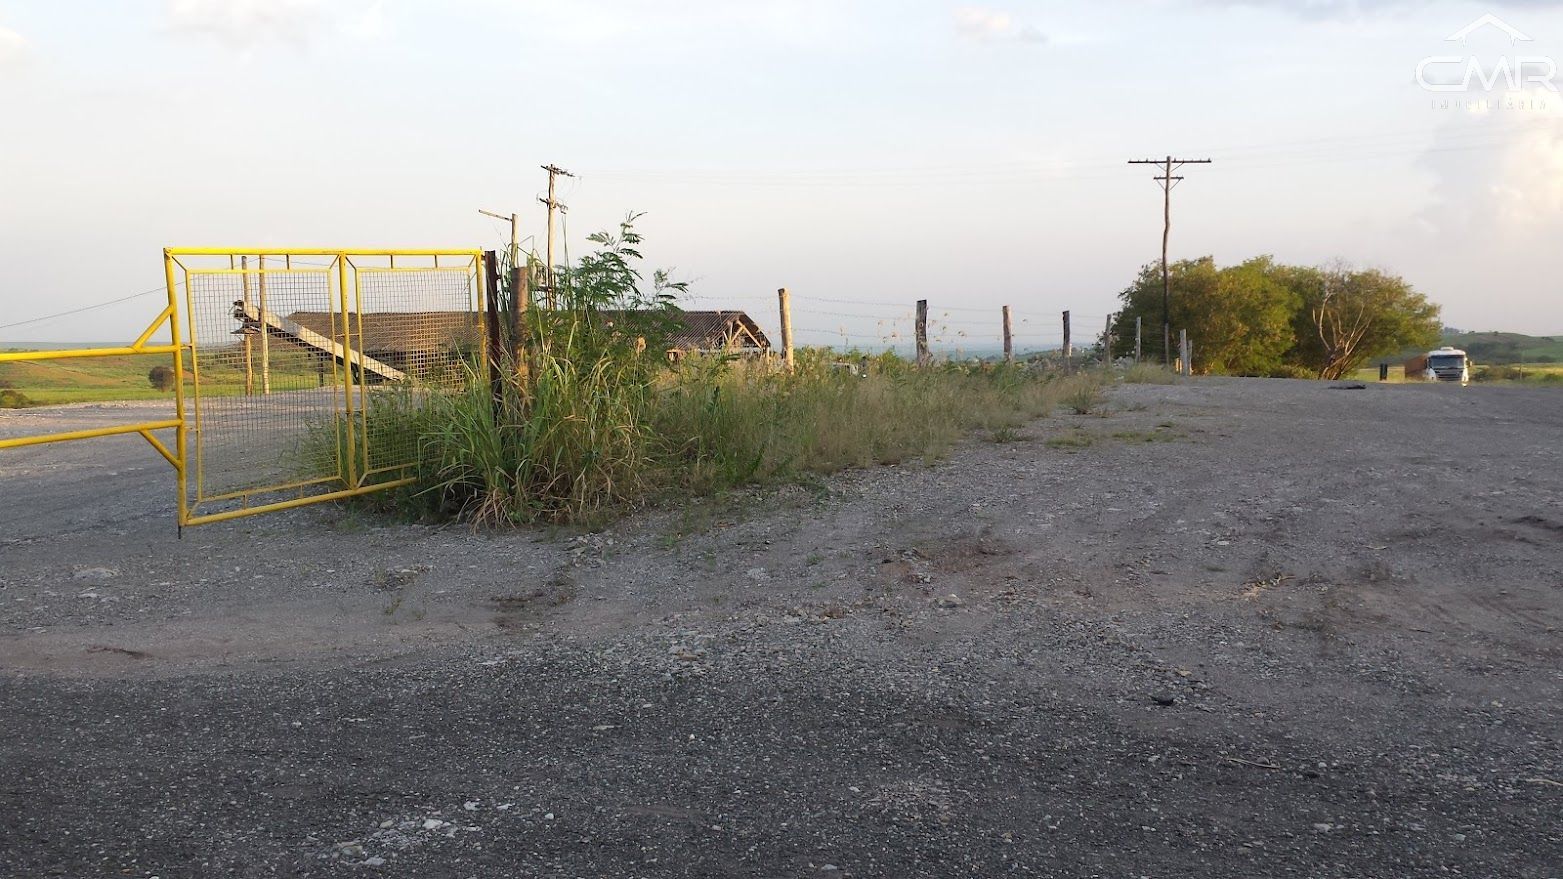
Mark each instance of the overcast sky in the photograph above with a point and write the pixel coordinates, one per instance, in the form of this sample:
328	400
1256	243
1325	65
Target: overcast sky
863	154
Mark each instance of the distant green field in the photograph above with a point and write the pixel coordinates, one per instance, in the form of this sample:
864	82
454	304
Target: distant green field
1509	348
100	379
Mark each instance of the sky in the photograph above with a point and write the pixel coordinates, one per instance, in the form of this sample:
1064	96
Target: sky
862	154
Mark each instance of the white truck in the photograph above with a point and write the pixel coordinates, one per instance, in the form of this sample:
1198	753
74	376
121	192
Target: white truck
1447	364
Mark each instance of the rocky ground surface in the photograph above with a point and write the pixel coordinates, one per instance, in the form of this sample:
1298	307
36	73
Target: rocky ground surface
1226	628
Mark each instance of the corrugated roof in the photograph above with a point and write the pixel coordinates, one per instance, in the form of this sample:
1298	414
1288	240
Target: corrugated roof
400	331
709	330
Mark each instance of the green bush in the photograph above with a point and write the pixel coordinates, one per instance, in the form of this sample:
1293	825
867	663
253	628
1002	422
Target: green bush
13	399
161	378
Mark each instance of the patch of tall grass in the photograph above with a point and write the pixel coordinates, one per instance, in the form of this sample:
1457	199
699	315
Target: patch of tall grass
587	437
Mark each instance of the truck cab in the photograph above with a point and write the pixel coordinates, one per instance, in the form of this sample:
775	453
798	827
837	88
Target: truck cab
1448	364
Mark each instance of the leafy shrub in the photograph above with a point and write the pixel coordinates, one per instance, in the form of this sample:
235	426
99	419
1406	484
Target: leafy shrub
13	399
161	378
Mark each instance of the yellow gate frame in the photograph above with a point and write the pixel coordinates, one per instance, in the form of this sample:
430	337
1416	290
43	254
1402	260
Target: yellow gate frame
177	347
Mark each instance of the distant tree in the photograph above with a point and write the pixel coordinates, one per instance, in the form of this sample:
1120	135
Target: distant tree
1265	318
1239	318
1349	317
161	377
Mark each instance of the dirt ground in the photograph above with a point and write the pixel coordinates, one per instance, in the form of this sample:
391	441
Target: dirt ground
1229	628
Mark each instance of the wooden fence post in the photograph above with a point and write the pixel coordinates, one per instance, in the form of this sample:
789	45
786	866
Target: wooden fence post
1068	350
1139	334
1107	343
520	305
1185	354
785	303
1009	344
491	329
922	333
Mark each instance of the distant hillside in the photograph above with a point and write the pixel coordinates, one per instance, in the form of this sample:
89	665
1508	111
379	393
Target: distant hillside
1502	348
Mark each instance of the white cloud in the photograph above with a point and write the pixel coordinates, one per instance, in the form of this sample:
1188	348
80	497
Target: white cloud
246	24
991	25
13	48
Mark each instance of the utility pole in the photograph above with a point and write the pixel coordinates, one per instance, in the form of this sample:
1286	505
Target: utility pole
554	171
1167	181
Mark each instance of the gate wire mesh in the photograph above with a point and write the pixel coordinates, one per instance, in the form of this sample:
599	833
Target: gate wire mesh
294	364
261	399
423	323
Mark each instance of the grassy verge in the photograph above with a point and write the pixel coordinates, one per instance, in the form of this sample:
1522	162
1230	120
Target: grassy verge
592	436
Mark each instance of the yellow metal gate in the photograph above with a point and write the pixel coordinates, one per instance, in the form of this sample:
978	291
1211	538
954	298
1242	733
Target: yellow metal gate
288	363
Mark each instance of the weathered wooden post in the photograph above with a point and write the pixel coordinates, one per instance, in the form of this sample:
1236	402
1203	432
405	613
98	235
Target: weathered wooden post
785	302
1009	345
1139	334
1107	343
520	304
1068	350
1185	353
491	328
922	333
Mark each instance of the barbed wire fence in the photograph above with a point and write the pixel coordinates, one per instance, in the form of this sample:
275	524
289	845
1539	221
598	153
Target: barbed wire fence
953	332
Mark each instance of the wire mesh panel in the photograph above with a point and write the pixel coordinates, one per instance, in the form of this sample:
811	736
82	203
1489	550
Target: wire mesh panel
303	364
266	390
416	331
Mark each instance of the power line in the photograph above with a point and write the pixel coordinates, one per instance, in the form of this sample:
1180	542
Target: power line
85	308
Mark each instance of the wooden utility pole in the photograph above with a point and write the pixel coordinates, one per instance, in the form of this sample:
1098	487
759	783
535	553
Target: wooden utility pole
922	333
1068	349
249	346
554	172
785	303
260	267
1167	181
1139	333
1009	345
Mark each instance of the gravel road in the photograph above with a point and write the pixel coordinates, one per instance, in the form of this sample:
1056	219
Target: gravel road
1226	628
